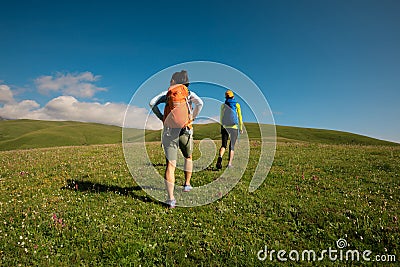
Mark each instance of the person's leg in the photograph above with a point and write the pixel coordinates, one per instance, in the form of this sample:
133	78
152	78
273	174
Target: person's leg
170	145
188	168
231	154
219	160
170	178
224	137
233	133
186	146
222	151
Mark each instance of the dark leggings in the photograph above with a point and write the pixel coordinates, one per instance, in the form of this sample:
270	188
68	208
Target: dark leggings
226	133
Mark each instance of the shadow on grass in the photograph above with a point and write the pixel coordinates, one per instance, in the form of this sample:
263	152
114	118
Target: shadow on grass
208	168
159	164
87	186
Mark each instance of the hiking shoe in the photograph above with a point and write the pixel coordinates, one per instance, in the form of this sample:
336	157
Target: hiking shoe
171	203
187	188
229	166
219	163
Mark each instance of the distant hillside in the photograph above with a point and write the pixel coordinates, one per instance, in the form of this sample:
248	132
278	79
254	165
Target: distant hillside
23	134
290	133
285	134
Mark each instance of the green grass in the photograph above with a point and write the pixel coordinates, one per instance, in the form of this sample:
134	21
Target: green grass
79	206
24	134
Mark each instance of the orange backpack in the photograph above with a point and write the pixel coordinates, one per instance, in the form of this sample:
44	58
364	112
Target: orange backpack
177	111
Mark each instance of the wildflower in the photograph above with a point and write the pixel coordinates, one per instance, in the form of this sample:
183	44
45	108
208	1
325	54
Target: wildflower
58	221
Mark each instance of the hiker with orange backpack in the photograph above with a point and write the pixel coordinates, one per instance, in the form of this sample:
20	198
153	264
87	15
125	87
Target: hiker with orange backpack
231	124
177	134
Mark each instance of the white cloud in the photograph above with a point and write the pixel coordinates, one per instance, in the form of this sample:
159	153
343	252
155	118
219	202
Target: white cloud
64	108
18	110
206	120
68	107
77	85
6	95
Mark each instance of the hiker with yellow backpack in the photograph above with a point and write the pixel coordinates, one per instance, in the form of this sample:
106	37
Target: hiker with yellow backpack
231	124
177	134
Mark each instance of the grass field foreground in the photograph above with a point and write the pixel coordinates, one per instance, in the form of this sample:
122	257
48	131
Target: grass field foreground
80	206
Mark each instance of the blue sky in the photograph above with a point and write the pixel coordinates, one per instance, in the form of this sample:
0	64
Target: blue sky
320	64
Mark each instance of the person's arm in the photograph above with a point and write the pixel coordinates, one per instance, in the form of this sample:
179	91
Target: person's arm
160	98
221	113
239	113
198	104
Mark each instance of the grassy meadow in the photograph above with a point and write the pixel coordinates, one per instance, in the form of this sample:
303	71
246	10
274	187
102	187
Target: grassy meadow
69	200
80	206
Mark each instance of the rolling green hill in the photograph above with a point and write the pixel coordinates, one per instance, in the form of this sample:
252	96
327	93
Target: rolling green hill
285	134
24	134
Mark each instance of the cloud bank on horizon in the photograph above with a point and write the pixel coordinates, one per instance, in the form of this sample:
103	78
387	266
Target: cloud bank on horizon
71	88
